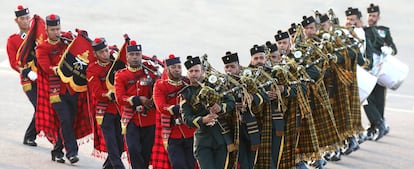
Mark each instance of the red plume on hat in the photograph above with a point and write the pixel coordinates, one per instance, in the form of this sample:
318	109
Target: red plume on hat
132	42
97	40
20	7
52	16
171	56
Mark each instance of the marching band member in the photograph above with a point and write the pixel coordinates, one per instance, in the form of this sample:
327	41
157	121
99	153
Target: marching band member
104	100
180	138
378	36
133	92
64	99
201	106
29	83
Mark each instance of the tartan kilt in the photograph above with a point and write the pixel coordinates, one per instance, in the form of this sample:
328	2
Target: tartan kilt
339	99
47	121
83	122
233	121
264	119
307	146
356	121
159	155
98	138
323	118
290	137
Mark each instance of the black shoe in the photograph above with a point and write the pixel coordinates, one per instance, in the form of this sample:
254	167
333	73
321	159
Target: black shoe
30	143
352	146
73	159
362	137
328	156
58	159
381	129
387	130
301	165
336	155
319	164
370	133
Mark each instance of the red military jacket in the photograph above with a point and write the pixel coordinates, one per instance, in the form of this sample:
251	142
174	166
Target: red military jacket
48	56
13	44
96	75
165	98
131	82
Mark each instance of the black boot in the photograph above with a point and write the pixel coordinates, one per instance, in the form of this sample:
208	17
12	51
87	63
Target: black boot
370	133
336	155
352	145
380	125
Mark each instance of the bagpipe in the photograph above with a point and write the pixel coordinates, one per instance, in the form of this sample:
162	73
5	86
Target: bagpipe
120	62
74	62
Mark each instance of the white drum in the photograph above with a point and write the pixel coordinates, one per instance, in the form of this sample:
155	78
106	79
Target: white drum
366	83
392	72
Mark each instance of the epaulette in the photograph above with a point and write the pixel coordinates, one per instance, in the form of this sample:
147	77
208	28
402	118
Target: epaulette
14	35
383	27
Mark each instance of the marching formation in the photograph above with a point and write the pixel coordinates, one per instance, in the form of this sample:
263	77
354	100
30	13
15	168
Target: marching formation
297	104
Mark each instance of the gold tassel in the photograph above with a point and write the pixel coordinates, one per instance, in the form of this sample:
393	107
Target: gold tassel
54	99
99	120
27	87
123	129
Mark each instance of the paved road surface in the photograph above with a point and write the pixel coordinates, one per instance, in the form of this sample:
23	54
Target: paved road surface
186	27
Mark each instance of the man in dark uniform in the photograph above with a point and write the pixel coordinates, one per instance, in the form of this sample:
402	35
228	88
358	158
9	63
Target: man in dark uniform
62	97
258	61
166	98
27	75
210	149
249	139
379	36
133	91
104	100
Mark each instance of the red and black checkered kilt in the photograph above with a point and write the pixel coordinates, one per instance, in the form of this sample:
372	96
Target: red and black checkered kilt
47	121
159	156
323	118
98	137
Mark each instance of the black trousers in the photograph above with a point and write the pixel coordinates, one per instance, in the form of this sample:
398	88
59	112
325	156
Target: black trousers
247	157
30	133
66	110
180	153
376	104
140	141
111	129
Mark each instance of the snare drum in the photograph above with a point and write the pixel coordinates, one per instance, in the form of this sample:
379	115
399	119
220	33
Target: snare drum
392	72
366	83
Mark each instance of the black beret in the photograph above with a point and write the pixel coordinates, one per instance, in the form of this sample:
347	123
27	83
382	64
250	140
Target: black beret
230	58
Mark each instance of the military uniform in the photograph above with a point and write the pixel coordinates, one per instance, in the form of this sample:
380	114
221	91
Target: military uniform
176	135
139	121
105	105
378	36
29	86
210	149
249	131
68	104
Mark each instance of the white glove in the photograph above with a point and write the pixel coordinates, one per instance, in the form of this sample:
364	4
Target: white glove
32	75
386	50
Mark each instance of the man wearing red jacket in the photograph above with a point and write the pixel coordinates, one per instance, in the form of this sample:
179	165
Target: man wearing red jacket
104	101
28	82
166	98
62	97
133	91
